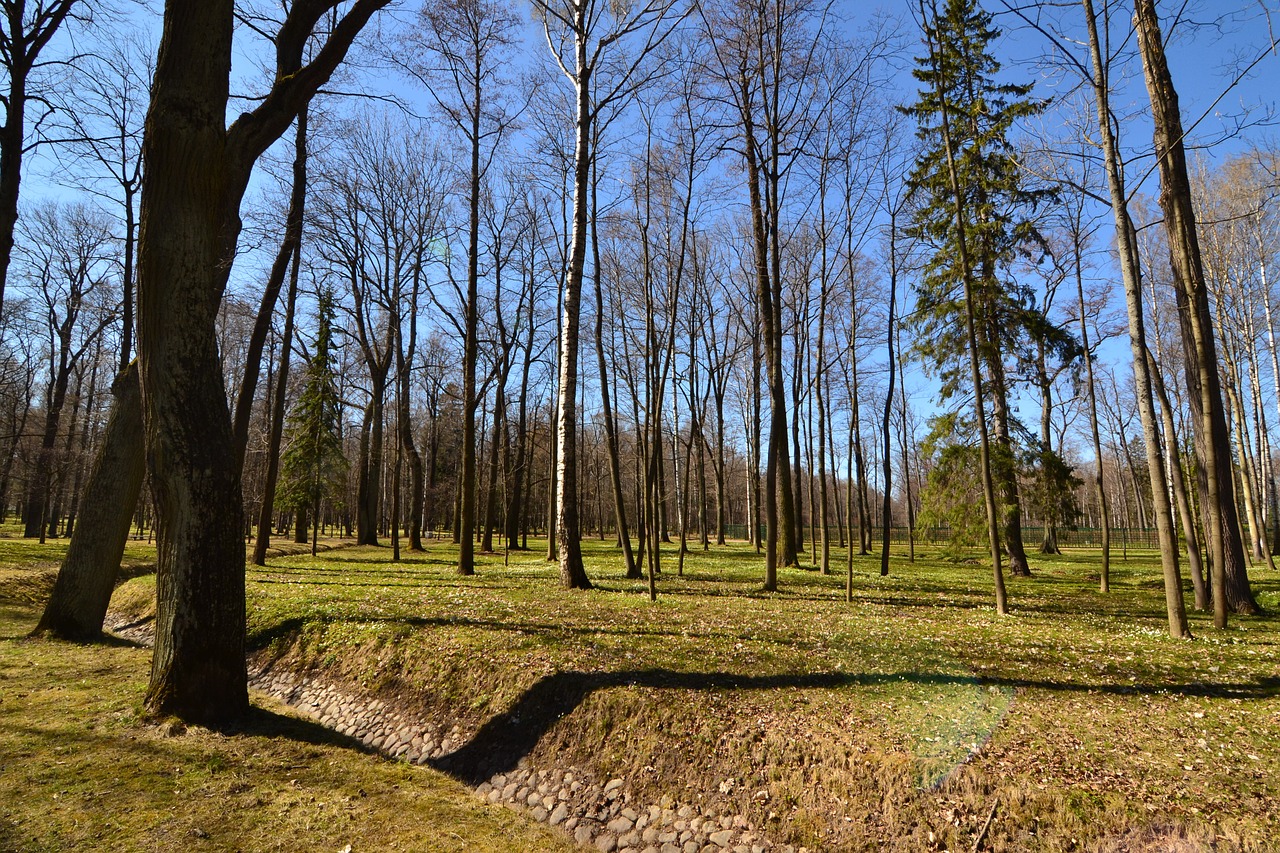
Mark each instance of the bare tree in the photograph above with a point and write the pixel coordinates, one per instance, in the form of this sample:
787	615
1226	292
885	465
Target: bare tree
585	38
197	169
26	29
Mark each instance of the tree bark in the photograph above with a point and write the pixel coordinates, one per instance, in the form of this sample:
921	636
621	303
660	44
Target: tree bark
197	172
1131	275
292	244
82	592
572	573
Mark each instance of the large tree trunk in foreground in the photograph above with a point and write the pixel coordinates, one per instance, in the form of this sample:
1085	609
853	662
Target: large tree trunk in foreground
76	609
196	174
198	671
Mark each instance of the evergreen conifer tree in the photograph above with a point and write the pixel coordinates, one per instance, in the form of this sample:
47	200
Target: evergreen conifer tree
313	467
975	160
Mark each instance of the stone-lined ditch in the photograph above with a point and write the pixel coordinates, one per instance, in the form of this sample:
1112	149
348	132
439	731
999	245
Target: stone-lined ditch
598	815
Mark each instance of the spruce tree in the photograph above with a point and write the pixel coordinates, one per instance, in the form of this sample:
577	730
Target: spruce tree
972	208
313	468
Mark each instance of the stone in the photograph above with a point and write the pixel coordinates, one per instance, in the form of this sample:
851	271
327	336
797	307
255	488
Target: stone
607	842
612	785
620	825
649	835
539	814
558	814
723	838
533	800
582	835
630	839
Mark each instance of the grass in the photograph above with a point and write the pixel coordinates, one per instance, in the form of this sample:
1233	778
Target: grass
899	721
82	768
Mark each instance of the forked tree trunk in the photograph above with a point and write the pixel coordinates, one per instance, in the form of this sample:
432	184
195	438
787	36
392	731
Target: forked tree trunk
197	172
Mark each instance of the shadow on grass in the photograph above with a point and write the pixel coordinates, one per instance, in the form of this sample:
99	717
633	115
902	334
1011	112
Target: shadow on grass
506	738
263	638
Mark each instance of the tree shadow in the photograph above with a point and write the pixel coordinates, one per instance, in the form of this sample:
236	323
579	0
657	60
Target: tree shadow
501	742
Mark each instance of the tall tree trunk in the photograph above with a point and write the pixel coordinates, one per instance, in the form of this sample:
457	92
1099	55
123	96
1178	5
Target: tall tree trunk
890	337
984	439
1189	282
1131	275
82	592
293	243
189	224
1180	489
572	573
606	407
1095	433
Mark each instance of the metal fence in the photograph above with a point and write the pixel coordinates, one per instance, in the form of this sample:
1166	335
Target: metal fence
1140	538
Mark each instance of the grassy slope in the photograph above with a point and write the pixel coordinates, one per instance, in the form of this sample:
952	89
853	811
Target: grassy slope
81	770
837	726
898	721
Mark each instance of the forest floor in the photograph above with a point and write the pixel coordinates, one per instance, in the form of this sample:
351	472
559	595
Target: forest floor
81	768
914	718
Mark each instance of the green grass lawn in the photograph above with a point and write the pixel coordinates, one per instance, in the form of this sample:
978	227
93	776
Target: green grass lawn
900	720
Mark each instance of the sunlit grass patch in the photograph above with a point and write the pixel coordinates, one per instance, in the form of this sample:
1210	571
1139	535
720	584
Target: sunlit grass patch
913	710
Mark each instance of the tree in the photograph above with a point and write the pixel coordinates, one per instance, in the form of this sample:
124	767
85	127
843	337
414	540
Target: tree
290	254
26	29
767	56
1231	583
469	45
100	116
196	172
987	209
81	594
313	468
1097	73
583	35
67	253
